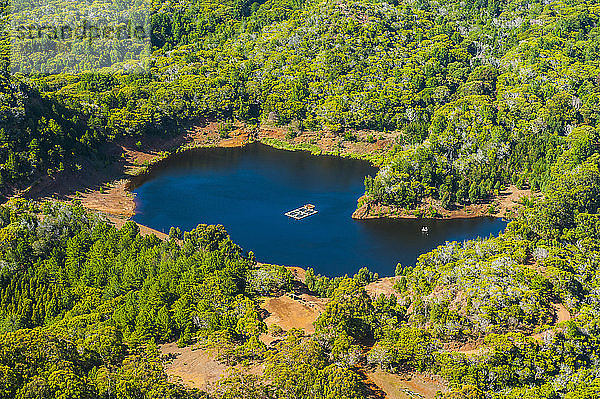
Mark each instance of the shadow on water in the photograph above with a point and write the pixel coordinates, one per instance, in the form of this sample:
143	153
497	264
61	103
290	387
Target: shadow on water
249	189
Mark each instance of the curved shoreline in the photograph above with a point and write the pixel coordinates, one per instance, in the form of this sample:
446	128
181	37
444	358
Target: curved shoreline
118	200
502	206
108	188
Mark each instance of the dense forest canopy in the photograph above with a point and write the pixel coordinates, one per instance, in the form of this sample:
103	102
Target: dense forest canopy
478	94
481	94
83	306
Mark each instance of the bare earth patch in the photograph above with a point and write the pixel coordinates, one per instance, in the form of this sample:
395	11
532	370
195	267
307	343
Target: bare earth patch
397	386
365	142
384	286
144	230
298	273
196	367
103	183
115	199
193	367
298	312
561	314
509	199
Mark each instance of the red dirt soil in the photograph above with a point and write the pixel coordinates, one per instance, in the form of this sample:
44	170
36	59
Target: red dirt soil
289	313
384	286
397	386
101	183
194	367
198	368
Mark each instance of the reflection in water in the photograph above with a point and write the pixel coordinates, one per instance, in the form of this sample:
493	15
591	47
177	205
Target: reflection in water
249	189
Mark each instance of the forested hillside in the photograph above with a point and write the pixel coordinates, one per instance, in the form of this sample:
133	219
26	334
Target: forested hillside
84	305
480	94
477	94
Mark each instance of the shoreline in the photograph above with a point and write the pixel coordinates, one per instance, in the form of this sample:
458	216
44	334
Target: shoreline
502	206
105	183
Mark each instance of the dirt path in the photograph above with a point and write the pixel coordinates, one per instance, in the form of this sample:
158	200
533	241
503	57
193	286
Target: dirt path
197	368
561	313
102	184
394	386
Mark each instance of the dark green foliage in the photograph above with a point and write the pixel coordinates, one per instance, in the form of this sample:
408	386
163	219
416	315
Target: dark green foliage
405	348
81	283
477	95
322	285
350	312
364	276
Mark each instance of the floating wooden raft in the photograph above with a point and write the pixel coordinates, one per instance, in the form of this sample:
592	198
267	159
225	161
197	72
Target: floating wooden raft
302	212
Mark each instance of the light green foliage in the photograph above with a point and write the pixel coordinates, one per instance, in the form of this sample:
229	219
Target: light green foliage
300	369
405	348
462	289
241	386
479	95
364	276
474	96
268	279
350	312
322	285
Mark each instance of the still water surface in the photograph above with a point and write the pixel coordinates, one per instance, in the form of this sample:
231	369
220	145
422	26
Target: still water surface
249	189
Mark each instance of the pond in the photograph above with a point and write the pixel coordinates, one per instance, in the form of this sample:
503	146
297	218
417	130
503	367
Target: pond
249	189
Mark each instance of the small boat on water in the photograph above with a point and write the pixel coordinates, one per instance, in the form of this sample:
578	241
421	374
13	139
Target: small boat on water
425	229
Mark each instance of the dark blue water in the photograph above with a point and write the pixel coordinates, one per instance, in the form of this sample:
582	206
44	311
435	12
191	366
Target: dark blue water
249	189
